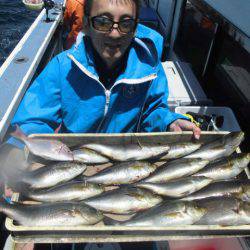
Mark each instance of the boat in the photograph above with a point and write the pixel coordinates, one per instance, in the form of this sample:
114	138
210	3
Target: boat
206	58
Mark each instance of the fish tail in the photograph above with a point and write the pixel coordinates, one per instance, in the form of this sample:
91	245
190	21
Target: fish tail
18	133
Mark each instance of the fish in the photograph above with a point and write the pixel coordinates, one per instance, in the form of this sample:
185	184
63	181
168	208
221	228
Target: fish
72	191
129	152
225	212
237	189
122	173
125	200
89	156
168	214
52	175
219	148
51	214
180	149
226	168
177	188
48	149
176	169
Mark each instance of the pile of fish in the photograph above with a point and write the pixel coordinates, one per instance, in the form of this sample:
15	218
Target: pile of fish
155	185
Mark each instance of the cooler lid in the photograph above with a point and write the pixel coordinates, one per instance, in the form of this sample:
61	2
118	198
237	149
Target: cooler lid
180	92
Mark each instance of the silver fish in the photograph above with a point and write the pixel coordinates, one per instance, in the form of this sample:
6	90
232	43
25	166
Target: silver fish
129	152
180	149
225	212
54	174
89	156
237	189
226	168
221	147
176	169
72	191
123	173
177	188
57	214
45	148
124	200
168	214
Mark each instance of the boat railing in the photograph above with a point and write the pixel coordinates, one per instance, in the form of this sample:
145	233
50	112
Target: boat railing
24	62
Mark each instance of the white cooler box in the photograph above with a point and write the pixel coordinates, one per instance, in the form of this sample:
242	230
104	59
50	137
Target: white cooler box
182	93
230	122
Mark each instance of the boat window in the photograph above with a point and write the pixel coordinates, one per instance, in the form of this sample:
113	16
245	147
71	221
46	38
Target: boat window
233	67
195	38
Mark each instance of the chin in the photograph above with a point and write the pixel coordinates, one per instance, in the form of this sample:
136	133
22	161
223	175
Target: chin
111	58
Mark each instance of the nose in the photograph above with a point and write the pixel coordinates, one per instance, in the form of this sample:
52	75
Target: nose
115	32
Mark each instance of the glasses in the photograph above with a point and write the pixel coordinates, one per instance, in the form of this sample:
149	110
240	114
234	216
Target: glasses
105	24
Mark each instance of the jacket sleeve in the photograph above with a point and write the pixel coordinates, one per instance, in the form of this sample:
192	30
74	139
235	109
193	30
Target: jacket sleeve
156	116
40	109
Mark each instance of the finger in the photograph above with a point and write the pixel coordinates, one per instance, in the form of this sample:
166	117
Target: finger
196	132
175	128
187	125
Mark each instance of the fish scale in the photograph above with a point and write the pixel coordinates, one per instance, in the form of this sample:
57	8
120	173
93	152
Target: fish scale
125	200
76	190
176	169
221	147
47	149
58	214
49	176
177	188
168	214
123	173
226	168
130	152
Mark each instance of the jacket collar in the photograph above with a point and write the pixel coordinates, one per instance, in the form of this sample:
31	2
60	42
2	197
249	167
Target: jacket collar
139	52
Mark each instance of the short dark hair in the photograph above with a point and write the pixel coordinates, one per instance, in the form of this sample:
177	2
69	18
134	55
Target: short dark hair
88	6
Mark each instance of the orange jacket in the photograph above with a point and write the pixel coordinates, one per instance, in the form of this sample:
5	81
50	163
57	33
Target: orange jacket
73	18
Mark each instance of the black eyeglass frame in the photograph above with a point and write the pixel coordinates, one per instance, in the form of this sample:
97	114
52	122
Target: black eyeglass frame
91	20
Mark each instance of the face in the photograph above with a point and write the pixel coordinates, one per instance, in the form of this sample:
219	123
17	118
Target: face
111	45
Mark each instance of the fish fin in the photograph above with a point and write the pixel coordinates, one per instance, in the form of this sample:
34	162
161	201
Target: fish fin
138	142
83	178
185	193
66	212
26	191
18	133
108	221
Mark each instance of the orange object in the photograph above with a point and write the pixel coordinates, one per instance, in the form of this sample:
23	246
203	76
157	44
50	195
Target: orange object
73	18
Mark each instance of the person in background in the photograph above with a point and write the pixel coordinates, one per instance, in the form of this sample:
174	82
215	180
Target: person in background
73	18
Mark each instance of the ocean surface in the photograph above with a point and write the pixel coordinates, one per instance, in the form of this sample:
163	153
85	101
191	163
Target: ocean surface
14	22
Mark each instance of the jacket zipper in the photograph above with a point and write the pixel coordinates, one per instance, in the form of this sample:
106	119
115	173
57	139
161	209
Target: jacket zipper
107	94
106	91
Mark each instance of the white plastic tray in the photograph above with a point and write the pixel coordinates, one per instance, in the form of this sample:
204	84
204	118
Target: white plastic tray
230	122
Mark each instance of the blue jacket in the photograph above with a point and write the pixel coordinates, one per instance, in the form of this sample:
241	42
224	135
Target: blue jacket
69	93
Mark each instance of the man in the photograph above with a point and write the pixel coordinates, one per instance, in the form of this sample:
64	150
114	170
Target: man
110	83
73	17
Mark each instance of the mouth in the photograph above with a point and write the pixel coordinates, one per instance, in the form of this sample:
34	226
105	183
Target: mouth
113	46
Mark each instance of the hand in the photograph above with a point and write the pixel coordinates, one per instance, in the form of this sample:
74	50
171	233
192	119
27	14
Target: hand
181	124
